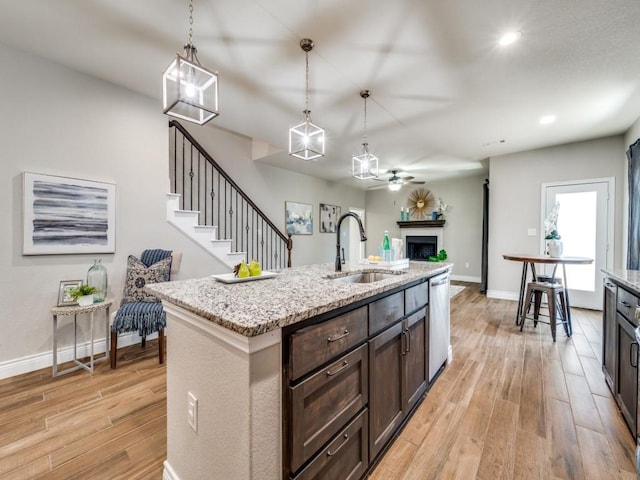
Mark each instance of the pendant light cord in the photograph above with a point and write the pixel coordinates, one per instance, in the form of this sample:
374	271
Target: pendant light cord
365	122
306	90
190	42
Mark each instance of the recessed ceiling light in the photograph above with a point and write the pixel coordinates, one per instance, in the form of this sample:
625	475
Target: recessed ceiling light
547	119
509	38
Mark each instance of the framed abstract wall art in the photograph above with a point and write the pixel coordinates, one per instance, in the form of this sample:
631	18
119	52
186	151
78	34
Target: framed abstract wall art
67	215
298	218
329	215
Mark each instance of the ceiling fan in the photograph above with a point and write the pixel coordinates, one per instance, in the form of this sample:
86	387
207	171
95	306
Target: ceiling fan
395	182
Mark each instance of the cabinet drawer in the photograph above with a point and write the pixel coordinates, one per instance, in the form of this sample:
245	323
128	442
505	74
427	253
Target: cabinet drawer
312	346
626	304
385	311
322	404
415	297
346	457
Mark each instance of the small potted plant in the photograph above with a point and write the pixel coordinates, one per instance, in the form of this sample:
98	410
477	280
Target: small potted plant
83	295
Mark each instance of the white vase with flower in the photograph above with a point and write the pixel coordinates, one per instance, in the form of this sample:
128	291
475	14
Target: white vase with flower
552	237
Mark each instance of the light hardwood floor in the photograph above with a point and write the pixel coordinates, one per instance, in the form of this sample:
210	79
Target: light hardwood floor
510	405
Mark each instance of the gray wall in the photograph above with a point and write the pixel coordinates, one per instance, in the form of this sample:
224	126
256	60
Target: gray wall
516	181
59	122
462	230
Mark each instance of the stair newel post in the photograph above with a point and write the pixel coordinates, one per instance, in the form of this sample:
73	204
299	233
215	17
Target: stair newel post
289	247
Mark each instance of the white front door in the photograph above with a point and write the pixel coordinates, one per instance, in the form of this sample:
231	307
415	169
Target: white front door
585	223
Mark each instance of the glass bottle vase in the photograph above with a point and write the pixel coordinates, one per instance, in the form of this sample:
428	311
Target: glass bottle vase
97	277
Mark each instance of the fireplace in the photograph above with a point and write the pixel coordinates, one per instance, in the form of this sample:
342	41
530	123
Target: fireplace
421	247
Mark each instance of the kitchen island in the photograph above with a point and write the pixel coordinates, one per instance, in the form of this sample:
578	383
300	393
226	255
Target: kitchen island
230	369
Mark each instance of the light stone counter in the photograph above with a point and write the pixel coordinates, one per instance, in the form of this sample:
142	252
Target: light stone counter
627	278
257	307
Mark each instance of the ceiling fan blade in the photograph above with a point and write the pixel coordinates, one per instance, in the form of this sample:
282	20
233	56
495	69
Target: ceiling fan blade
408	177
417	182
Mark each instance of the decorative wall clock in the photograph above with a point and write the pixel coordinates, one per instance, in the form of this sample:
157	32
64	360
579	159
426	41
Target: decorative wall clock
420	202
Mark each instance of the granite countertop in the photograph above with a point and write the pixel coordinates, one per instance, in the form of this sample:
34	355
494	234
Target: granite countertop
628	278
294	294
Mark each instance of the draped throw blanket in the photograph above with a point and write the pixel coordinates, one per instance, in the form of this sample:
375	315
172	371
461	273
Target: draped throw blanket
145	317
633	244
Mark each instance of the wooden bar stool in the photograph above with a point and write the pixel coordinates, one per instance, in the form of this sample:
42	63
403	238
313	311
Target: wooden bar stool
556	305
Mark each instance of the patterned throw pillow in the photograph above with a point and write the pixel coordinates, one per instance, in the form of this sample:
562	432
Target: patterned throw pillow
138	275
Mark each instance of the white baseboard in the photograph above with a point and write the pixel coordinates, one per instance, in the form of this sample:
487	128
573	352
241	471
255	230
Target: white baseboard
465	278
30	363
169	473
503	295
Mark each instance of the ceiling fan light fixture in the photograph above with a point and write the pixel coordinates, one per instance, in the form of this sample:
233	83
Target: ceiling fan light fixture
365	165
395	183
509	38
306	140
189	90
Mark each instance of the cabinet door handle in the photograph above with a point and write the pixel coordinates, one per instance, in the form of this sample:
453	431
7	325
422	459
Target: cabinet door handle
408	334
405	343
345	364
335	339
632	356
331	454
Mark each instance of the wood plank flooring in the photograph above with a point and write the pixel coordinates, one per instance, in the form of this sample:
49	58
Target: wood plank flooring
511	405
515	405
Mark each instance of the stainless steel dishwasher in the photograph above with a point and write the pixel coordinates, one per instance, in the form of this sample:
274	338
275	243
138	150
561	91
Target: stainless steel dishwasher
439	328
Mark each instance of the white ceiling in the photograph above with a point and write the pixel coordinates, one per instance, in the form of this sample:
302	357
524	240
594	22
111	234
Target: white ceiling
444	95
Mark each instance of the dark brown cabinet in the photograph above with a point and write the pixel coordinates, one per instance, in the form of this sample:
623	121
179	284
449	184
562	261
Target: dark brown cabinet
351	380
609	327
620	349
626	382
416	358
385	386
399	376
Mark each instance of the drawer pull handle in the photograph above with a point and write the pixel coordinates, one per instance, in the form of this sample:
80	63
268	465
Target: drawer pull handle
345	364
331	454
335	339
632	356
625	304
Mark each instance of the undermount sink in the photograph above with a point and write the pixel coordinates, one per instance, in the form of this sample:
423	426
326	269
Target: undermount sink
364	277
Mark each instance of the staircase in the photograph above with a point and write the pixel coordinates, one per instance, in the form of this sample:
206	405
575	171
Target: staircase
208	207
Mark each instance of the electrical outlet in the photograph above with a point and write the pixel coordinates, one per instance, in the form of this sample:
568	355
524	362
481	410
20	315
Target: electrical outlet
192	411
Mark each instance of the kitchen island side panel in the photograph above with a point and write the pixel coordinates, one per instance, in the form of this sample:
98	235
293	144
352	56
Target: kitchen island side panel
237	386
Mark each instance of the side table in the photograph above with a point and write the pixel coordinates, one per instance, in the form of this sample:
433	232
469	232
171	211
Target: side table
76	310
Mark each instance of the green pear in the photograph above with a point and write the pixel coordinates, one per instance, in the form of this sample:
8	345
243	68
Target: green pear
254	269
243	271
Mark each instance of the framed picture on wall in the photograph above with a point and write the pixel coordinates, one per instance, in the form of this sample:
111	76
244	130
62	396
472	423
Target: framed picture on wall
67	215
298	218
329	215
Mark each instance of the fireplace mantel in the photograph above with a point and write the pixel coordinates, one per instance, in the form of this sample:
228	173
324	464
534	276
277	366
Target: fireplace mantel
422	224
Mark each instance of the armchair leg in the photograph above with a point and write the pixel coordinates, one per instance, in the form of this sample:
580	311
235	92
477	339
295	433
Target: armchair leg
114	348
161	344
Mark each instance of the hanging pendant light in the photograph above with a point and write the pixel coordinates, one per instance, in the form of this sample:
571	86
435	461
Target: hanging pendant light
189	90
365	165
306	141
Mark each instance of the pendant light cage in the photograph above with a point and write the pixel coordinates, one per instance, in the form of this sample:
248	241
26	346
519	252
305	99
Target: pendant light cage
306	140
365	165
189	90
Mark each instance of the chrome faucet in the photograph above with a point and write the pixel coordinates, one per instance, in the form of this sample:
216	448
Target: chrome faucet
363	238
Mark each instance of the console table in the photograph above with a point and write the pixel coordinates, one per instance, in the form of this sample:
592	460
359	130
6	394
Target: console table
76	310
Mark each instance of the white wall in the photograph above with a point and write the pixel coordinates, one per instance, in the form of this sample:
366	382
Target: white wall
462	230
515	183
60	122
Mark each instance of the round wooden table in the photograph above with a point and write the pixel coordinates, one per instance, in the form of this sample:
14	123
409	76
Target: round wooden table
530	261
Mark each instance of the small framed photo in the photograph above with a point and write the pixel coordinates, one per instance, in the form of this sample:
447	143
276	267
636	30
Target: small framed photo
64	293
329	215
